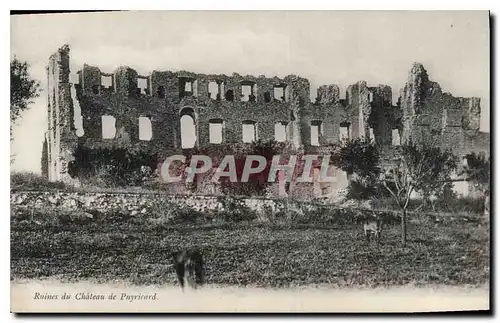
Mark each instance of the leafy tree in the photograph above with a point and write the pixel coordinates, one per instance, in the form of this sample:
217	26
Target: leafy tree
359	157
419	166
478	172
23	89
45	159
438	182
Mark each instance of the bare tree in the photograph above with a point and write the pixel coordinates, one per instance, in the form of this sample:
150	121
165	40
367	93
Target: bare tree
420	167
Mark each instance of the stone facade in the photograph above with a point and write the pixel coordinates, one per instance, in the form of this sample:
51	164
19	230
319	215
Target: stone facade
83	206
144	204
162	98
431	115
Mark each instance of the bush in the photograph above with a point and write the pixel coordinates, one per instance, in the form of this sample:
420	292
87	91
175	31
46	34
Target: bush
112	167
165	212
236	211
321	216
33	182
186	216
462	204
357	190
47	217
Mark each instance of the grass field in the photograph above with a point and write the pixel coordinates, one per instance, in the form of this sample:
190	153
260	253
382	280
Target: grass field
249	254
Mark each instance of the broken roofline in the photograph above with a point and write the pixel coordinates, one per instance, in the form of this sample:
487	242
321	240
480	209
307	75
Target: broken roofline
183	74
278	81
217	77
248	169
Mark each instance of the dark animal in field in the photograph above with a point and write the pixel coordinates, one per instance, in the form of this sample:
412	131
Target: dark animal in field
373	227
189	267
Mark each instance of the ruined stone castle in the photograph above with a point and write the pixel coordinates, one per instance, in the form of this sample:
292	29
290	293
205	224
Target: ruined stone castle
144	112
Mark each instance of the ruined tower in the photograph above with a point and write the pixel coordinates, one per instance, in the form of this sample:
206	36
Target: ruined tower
61	136
431	116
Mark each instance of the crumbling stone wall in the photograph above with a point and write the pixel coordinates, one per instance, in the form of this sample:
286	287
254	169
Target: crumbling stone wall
165	96
363	109
382	117
166	101
139	204
61	136
430	115
329	112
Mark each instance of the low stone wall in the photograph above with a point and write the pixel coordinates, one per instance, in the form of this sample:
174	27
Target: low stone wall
144	204
134	203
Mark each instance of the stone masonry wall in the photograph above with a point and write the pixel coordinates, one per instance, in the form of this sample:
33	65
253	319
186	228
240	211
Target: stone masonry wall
61	132
163	97
429	115
134	204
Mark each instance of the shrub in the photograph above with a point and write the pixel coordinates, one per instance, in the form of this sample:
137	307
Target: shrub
357	190
462	204
187	216
112	167
236	211
31	181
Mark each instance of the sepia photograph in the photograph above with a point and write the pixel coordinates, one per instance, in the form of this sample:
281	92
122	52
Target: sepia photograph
250	161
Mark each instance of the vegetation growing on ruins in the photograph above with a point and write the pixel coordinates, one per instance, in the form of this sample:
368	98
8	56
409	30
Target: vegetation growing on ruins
272	249
449	240
115	167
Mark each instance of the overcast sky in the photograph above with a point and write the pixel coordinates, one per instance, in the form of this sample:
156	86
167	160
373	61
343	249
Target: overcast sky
325	47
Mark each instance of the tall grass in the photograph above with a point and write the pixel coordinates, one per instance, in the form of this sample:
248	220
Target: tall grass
468	205
34	182
135	250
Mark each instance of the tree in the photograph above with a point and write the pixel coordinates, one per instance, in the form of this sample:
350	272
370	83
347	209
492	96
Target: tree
478	172
359	157
420	167
438	183
45	159
23	89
